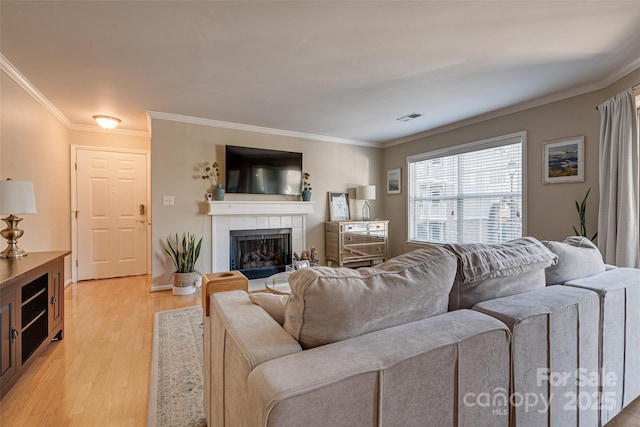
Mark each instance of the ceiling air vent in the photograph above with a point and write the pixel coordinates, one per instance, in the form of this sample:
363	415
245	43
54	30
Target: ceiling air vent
409	117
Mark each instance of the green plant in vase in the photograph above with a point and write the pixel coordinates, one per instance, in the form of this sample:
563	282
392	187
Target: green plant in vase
306	192
582	212
184	255
212	173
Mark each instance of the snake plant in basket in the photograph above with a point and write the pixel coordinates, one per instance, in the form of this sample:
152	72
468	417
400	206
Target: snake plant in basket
582	213
184	255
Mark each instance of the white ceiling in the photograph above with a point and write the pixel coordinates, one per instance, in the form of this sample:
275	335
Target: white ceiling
340	69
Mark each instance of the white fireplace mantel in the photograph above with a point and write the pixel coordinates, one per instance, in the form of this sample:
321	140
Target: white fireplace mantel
265	207
250	215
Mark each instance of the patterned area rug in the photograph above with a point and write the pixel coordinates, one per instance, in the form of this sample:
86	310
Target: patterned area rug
176	386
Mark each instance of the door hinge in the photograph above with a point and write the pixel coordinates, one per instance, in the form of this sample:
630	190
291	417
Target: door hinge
76	262
76	165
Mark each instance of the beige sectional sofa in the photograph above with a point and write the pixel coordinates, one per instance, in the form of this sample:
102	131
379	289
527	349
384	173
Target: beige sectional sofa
462	335
618	336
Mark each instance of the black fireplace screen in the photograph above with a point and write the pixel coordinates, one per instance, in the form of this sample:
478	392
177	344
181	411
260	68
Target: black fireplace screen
260	253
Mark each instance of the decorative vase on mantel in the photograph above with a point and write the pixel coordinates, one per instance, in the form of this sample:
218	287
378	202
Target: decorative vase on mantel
306	195
218	193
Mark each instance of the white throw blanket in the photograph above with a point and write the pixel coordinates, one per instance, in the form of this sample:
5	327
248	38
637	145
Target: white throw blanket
480	261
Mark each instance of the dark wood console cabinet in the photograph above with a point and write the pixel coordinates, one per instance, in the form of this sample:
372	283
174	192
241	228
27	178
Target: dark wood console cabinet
31	310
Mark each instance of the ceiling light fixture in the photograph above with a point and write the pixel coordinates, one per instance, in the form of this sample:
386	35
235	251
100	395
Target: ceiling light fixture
409	117
107	122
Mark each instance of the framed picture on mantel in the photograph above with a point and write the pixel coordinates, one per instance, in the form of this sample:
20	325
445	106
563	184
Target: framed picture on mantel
339	207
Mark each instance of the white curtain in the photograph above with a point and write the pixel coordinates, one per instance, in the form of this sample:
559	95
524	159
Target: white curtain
619	211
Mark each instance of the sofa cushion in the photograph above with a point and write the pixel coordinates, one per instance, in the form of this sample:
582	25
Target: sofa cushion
273	304
578	257
466	295
407	375
332	304
555	334
619	291
488	271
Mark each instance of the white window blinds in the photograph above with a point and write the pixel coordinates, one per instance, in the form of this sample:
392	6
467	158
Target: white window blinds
467	194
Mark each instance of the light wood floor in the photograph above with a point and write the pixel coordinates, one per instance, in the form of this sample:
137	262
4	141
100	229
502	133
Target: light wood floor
98	375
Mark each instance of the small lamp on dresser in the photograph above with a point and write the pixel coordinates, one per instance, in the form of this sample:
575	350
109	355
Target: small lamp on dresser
16	198
366	192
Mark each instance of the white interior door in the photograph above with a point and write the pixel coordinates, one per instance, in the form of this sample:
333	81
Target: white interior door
111	214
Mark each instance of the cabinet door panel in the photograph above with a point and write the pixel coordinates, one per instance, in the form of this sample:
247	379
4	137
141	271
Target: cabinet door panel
8	340
56	297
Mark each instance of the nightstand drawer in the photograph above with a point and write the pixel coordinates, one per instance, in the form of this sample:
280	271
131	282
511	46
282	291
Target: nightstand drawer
359	251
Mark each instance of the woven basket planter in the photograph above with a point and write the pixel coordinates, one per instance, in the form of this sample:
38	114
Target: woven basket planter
184	283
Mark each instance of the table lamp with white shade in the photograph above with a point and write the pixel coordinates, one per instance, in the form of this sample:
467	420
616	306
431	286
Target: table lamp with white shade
366	192
16	198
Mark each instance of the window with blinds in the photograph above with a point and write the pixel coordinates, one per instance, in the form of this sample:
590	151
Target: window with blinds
470	193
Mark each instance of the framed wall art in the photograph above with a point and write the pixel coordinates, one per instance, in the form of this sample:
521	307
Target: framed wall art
339	207
394	181
302	264
563	161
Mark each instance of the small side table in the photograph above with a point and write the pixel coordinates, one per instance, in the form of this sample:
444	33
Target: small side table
278	284
222	282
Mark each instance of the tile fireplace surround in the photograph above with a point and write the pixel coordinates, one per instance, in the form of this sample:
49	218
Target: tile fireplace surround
251	215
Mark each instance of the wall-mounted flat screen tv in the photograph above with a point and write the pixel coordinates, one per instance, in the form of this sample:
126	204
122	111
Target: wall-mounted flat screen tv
260	171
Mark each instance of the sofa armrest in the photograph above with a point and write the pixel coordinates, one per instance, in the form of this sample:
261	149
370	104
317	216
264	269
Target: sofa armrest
238	336
257	336
221	282
401	375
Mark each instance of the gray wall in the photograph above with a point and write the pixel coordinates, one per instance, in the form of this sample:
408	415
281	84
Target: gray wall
178	149
28	131
551	211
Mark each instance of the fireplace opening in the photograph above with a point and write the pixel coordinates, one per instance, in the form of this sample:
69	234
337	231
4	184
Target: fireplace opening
260	253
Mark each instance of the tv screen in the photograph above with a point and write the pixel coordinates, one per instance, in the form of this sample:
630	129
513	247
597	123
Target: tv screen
259	171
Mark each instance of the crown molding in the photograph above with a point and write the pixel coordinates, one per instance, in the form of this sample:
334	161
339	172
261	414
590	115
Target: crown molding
26	85
116	131
495	114
22	81
499	113
258	129
592	87
617	75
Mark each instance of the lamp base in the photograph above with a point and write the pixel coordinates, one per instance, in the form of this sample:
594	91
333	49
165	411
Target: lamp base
12	251
366	211
12	233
